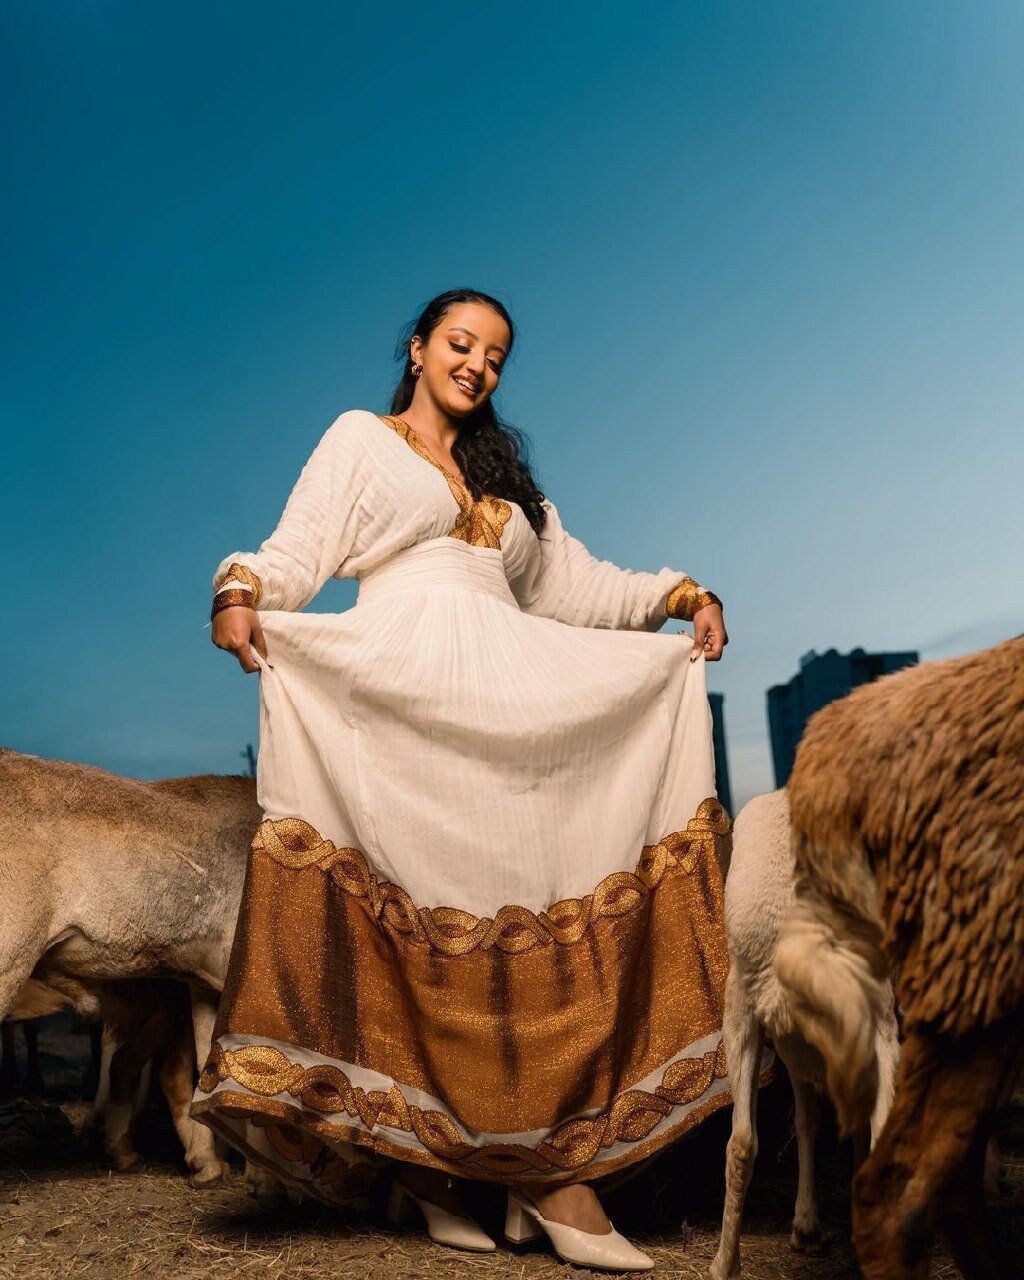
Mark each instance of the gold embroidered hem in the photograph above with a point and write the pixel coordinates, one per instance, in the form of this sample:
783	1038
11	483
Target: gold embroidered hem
296	844
526	1045
323	1107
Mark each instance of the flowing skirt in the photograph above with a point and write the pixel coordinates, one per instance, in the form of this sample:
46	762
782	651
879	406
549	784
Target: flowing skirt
481	927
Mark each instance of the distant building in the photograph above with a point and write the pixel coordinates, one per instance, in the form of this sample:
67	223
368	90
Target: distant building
717	701
822	678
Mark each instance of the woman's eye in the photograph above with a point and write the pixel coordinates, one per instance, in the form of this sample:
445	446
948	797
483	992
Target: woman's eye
455	346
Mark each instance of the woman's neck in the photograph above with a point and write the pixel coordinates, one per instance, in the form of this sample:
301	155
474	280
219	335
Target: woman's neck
432	424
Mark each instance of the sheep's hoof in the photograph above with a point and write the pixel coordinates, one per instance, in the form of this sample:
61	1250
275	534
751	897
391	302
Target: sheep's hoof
717	1272
809	1242
126	1164
202	1180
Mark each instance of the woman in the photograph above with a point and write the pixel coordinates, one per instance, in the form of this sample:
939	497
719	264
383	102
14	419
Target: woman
481	929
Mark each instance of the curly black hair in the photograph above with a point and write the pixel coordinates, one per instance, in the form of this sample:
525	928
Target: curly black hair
492	454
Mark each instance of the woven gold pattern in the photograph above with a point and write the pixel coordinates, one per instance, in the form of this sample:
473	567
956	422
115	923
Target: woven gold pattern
687	598
296	844
265	1071
478	523
241	573
228	597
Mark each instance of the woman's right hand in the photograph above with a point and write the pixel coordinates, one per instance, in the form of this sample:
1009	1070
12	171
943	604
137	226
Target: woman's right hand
235	629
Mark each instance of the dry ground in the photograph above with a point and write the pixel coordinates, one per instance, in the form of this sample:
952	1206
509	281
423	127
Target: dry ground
63	1213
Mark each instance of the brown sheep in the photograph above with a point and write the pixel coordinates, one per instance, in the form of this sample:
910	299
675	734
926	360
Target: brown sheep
907	802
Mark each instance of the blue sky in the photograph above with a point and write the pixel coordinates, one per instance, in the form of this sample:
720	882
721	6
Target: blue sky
765	261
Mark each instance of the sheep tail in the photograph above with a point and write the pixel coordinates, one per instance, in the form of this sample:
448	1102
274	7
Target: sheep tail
830	962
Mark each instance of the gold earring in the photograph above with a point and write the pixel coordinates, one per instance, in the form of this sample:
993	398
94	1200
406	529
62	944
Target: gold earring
417	369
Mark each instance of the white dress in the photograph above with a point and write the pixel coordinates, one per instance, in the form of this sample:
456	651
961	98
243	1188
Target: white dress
481	927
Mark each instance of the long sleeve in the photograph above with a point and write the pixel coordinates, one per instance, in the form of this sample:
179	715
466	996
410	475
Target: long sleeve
316	530
565	582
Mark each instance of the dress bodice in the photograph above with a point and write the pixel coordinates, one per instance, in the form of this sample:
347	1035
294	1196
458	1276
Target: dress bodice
372	489
491	522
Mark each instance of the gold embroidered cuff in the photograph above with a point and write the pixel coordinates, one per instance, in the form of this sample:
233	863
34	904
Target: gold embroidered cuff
241	573
229	597
687	598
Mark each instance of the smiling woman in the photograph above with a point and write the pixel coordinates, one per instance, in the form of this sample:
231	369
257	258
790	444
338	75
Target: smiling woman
481	932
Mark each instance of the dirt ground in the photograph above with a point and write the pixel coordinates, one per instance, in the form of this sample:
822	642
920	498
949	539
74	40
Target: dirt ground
64	1213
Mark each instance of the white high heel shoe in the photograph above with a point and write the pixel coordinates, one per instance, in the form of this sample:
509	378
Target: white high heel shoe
610	1250
444	1227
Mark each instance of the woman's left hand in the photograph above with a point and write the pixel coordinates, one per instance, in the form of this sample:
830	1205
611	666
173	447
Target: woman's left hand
709	634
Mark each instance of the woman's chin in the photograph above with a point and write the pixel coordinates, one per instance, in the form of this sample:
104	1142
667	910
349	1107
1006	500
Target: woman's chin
460	406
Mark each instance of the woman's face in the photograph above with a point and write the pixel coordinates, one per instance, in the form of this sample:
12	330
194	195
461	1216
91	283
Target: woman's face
463	358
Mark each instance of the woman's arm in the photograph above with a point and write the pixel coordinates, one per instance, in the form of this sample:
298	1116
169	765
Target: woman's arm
315	533
567	583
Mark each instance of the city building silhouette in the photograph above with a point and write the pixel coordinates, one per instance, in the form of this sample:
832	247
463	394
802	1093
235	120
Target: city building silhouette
822	678
717	701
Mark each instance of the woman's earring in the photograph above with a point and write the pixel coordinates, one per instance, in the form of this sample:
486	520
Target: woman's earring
417	369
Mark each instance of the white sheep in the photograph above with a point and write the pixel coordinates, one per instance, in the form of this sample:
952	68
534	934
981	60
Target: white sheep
758	894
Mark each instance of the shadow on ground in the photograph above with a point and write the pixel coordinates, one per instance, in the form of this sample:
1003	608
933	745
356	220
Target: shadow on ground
64	1213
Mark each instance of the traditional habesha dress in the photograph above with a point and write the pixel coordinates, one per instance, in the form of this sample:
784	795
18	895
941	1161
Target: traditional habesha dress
481	927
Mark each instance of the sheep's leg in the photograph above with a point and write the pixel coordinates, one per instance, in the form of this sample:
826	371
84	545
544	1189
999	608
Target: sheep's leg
993	1175
19	954
806	1234
177	1080
743	1041
204	1018
269	1192
92	1131
887	1055
125	1069
109	1042
965	1221
142	1088
996	1055
944	1089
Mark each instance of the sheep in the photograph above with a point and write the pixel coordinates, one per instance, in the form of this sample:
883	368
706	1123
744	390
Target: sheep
758	892
105	878
907	801
144	1019
137	1018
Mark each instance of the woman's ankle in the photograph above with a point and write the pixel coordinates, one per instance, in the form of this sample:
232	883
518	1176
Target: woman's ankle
431	1184
571	1204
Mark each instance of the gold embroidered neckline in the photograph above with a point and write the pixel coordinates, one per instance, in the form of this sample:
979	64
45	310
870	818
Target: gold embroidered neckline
479	523
416	442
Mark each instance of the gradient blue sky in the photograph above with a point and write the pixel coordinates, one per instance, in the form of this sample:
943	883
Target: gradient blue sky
766	263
